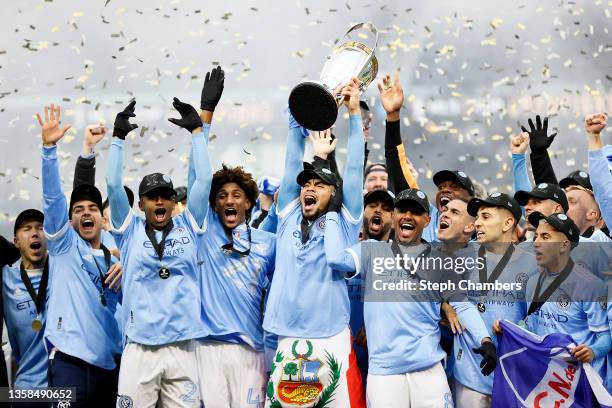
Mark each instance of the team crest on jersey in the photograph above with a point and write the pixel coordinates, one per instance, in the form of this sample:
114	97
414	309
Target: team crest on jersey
522	278
603	302
299	382
563	301
321	224
125	401
178	230
297	234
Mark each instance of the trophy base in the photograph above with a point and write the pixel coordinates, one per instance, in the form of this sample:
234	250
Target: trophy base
313	106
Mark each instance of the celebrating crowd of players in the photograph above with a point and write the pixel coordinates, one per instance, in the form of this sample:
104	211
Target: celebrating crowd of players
236	293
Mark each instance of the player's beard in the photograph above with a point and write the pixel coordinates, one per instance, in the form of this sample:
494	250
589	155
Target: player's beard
378	236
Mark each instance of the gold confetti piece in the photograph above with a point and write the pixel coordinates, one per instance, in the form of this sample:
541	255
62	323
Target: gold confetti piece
496	23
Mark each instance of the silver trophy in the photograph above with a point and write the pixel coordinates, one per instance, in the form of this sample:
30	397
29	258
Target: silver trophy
313	103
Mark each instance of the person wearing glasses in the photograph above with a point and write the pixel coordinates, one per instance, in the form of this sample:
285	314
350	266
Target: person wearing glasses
237	266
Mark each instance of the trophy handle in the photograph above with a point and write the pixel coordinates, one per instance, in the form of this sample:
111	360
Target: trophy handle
368	26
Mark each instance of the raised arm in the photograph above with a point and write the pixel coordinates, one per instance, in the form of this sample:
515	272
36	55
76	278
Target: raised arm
520	176
337	257
199	187
294	154
85	167
401	175
600	175
197	201
55	207
117	197
353	173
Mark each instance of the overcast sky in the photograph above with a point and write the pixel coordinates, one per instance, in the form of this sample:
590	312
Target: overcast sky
470	70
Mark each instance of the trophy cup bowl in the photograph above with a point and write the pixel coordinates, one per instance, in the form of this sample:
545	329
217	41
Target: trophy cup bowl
313	103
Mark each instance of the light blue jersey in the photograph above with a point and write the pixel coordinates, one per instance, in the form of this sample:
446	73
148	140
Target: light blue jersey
233	285
160	311
402	326
503	304
307	299
403	336
77	322
108	240
578	307
27	345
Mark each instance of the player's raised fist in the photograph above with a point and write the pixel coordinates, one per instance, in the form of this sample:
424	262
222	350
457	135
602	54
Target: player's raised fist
520	143
595	123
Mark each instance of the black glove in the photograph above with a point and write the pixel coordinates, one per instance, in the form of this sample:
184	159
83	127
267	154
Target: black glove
122	121
190	119
319	163
489	357
212	89
335	204
539	140
8	252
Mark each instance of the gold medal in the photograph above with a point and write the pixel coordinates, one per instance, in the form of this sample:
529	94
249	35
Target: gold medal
37	325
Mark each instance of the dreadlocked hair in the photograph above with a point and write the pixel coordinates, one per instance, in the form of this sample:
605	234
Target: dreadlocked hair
234	175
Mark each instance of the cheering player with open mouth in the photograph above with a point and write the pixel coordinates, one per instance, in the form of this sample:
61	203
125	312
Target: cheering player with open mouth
161	305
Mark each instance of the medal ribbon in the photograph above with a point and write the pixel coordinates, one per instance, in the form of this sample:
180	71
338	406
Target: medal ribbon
482	272
159	246
538	300
37	298
107	262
